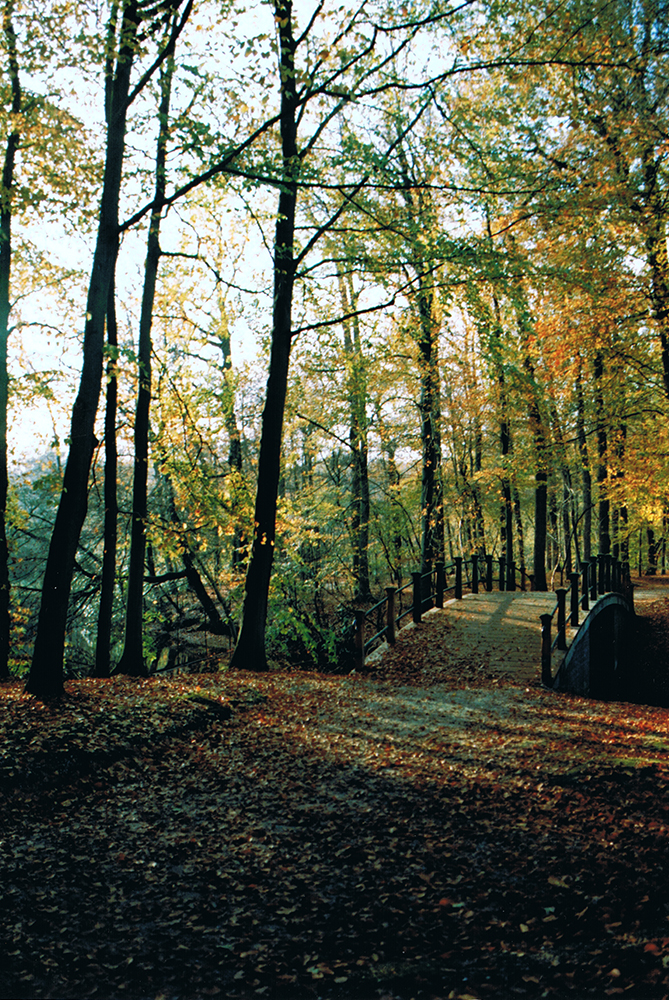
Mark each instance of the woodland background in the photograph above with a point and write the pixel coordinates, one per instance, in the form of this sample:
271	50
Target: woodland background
450	218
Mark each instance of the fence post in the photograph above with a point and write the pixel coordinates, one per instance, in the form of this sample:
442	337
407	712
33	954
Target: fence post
530	577
607	573
593	579
417	596
502	572
458	578
546	672
585	592
511	576
390	615
475	573
561	618
360	617
441	585
488	573
575	578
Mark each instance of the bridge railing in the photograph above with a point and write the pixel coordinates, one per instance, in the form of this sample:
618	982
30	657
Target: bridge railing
427	590
602	575
422	592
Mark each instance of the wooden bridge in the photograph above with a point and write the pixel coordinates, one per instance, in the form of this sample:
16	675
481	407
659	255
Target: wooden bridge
514	633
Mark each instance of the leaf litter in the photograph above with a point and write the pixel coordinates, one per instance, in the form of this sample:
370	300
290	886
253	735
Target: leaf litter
380	836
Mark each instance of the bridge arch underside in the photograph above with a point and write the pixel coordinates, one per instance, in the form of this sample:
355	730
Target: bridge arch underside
604	658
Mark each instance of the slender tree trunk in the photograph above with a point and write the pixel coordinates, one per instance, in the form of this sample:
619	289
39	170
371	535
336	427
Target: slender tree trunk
132	660
46	673
538	430
235	456
656	252
5	266
356	385
432	501
479	519
586	477
518	518
250	649
506	512
651	569
602	455
108	577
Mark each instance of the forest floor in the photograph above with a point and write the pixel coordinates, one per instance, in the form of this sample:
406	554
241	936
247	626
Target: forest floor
438	828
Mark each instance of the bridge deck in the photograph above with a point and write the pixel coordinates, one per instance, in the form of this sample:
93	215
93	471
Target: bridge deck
480	639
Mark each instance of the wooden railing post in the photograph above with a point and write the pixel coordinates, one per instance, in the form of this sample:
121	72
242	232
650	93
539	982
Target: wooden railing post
511	576
561	618
601	573
607	573
475	573
458	578
488	573
575	580
417	596
546	672
502	572
360	617
441	585
593	579
585	587
530	577
390	615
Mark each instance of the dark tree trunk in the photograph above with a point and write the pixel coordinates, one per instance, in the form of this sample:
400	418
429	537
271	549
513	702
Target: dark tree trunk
46	673
604	532
432	501
506	512
651	565
656	251
538	430
586	477
5	266
356	384
132	660
250	650
479	520
235	456
108	578
518	518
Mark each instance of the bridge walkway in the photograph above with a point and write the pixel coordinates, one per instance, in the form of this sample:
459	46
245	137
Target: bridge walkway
483	638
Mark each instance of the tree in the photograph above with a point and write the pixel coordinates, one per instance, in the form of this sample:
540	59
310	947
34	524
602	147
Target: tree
132	659
46	673
355	75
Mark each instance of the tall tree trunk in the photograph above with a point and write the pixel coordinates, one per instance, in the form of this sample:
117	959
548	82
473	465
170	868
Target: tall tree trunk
356	387
432	499
132	660
538	430
46	672
479	519
235	457
250	650
604	533
506	511
5	266
656	252
108	576
586	477
518	518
